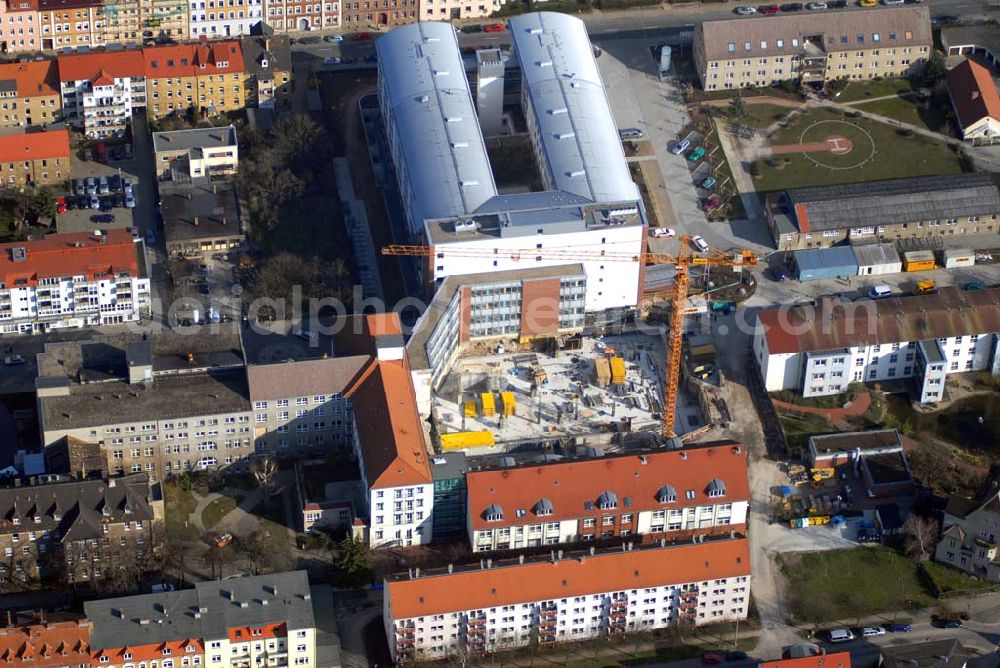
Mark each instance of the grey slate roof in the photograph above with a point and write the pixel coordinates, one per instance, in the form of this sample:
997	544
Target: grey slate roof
894	201
75	510
185	140
275	50
303	378
205	612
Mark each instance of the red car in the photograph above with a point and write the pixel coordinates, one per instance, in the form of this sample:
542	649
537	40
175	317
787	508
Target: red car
495	27
768	10
60	205
712	203
713	658
361	36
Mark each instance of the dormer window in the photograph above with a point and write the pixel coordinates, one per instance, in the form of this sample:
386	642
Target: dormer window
38	519
167	651
716	488
128	509
189	648
544	507
667	494
263	62
127	656
493	513
17	521
607	500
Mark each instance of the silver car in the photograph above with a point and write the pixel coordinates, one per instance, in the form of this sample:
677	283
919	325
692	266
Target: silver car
103	187
91	185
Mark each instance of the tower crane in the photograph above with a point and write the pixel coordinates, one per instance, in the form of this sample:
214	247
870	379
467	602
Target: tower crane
682	261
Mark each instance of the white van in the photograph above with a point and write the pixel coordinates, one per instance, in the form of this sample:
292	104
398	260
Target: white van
879	291
841	635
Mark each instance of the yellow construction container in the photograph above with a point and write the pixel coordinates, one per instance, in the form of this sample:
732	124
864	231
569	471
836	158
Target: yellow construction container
918	260
617	370
467	439
489	406
508	402
470	409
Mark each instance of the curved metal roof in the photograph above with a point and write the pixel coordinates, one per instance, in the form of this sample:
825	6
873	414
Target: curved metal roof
425	88
579	138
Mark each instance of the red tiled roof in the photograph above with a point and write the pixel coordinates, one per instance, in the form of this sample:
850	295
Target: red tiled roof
544	580
150	652
60	255
34	78
188	60
50	645
34	146
22	6
58	5
388	424
570	485
973	92
836	660
88	66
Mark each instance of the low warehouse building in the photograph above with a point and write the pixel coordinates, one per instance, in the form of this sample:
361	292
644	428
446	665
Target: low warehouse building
820	263
877	259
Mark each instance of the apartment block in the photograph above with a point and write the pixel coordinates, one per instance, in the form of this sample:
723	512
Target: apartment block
121	22
812	47
359	14
222	18
47	644
71	280
20	29
303	15
820	350
268	63
264	620
37	158
207	77
101	90
447	10
894	210
29	94
969	531
74	533
471	610
164	20
183	155
70	24
695	492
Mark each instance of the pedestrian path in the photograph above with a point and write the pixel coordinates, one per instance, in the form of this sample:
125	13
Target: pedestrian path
857	408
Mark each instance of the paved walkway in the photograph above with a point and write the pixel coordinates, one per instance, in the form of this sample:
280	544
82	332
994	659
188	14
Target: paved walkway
857	408
876	99
737	165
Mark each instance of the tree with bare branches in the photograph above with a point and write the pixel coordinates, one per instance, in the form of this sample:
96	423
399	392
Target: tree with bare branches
920	535
263	470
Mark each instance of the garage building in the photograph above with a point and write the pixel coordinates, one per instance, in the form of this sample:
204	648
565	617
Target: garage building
877	259
816	264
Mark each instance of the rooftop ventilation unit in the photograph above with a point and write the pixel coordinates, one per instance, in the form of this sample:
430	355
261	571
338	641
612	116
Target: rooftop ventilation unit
18	254
465	226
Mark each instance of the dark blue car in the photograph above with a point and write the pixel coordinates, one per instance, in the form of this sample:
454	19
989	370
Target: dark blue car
900	628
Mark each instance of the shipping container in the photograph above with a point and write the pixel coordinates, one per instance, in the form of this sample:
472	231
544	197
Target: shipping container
877	259
470	409
617	370
918	260
489	406
825	263
467	439
602	371
951	259
508	402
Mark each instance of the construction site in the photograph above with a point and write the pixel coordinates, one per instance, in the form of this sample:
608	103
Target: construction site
605	392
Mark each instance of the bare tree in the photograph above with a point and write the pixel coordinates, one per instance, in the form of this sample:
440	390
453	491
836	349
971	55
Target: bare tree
255	548
920	535
264	468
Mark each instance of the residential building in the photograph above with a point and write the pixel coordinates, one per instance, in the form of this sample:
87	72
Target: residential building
201	216
206	78
245	621
971	40
300	407
833	660
973	94
101	90
389	444
323	505
286	16
163	20
268	63
47	644
29	93
161	414
820	350
75	279
446	182
811	47
969	531
695	492
20	29
36	158
192	154
224	19
121	22
875	458
70	24
943	653
360	14
78	532
448	471
505	605
448	10
895	210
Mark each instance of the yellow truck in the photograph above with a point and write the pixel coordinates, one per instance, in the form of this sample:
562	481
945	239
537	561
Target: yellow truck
926	287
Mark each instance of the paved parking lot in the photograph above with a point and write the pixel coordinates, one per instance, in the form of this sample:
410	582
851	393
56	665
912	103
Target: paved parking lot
80	220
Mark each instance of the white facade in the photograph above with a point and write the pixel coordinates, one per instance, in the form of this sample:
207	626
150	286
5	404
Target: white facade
216	18
446	10
72	301
102	107
400	515
297	648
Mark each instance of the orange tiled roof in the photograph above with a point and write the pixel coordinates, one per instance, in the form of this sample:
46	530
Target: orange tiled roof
33	78
46	645
59	255
974	93
188	60
89	66
544	580
836	660
388	424
568	486
34	146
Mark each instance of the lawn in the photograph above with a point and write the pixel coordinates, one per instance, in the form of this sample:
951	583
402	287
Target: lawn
180	504
798	428
950	581
216	510
866	90
762	115
933	116
849	584
877	153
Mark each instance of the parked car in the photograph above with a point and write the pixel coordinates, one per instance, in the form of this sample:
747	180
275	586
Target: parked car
791	7
947	623
61	205
95	203
631	133
836	4
900	628
712	203
697	154
13	360
129	201
699	242
495	27
331	60
708	183
103	187
778	274
306	335
871	631
150	238
102	218
712	658
222	540
973	286
203	288
115	183
361	36
841	635
879	292
745	11
91	185
736	655
79	187
816	5
769	10
681	146
335	38
127	185
662	232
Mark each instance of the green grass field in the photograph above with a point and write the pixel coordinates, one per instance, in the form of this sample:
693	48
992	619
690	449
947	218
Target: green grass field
216	510
906	109
866	90
180	504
